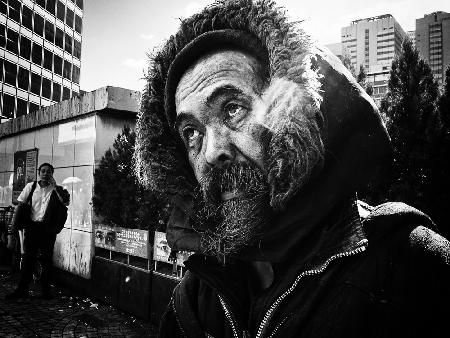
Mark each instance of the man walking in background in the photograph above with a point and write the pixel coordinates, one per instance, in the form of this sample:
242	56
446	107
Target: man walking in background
40	234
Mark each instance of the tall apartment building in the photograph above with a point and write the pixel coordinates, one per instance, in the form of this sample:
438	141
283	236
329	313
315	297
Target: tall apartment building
373	43
433	41
412	36
40	52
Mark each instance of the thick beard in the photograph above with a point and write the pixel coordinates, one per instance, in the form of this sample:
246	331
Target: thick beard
229	226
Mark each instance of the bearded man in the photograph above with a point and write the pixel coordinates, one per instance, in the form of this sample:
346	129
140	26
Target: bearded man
262	139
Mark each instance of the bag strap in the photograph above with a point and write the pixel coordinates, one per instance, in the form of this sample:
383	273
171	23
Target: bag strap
30	195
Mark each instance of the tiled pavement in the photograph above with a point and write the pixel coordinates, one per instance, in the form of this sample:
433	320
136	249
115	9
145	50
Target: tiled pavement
66	315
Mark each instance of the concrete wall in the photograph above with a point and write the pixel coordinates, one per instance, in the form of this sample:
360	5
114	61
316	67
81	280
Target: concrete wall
73	135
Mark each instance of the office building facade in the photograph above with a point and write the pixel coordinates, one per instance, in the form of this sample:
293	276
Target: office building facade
373	43
40	53
412	36
433	42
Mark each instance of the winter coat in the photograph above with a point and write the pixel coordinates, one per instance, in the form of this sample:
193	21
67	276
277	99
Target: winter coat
386	275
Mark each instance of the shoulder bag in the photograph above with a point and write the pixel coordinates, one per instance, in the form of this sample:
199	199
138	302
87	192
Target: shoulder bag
22	214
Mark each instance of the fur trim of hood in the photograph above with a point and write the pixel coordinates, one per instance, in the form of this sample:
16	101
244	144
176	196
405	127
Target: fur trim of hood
161	162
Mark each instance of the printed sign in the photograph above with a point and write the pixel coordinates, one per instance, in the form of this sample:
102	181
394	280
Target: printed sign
161	250
25	169
133	242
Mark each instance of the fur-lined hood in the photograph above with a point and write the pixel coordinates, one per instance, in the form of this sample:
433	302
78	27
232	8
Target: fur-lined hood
355	141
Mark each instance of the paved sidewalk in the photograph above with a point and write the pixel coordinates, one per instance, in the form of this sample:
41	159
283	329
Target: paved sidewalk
66	315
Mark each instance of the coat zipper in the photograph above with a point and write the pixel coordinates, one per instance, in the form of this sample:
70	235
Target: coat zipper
311	272
229	316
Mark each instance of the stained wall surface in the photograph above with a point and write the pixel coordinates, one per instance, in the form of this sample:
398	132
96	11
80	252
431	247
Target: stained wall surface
74	146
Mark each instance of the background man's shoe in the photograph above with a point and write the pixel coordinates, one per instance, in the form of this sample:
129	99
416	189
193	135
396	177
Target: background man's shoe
17	294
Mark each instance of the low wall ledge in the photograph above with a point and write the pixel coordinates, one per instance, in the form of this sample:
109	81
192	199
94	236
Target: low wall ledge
103	100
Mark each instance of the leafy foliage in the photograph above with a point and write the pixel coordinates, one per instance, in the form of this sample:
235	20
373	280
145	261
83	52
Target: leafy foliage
441	179
361	78
118	198
347	62
417	132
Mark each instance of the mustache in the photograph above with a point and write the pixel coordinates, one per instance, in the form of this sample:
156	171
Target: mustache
234	177
229	225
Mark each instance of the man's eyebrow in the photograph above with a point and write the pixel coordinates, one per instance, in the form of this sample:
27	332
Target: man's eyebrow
224	90
182	117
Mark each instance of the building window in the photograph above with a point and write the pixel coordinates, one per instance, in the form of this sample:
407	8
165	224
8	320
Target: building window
27	18
35	83
38	24
21	107
25	47
56	92
69	17
77	49
50	6
57	68
1	70
80	4
61	11
36	54
76	74
46	88
23	78
68	44
2	35
49	32
10	73
59	38
12	42
40	3
33	107
4	7
78	24
66	93
67	70
48	59
8	105
14	10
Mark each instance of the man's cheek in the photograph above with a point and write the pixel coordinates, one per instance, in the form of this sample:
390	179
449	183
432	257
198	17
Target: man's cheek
252	142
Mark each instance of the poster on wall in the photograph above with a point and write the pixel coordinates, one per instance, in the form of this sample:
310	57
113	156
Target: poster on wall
161	250
132	242
25	169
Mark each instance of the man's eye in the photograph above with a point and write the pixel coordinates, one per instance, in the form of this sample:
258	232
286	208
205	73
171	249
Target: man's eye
235	111
191	135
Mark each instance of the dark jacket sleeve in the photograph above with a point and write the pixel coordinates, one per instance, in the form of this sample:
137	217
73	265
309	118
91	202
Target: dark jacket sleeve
429	265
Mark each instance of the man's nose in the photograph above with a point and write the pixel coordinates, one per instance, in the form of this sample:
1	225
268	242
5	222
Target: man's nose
219	150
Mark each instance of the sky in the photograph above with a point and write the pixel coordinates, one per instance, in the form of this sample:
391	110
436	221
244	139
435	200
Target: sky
118	35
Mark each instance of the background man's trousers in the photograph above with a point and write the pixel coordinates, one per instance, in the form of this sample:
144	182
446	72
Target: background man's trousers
37	240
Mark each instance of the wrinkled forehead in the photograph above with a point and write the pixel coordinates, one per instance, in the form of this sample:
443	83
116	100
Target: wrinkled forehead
220	69
203	45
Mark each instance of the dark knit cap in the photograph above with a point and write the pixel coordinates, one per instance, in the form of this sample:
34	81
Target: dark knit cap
206	43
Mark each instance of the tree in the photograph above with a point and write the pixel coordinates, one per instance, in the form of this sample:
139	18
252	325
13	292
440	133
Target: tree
414	125
441	180
347	62
444	100
361	78
118	198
